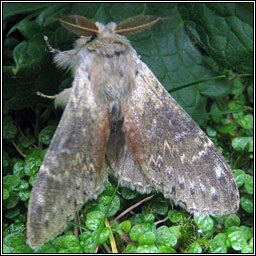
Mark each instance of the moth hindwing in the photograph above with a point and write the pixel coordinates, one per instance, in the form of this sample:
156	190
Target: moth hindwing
119	119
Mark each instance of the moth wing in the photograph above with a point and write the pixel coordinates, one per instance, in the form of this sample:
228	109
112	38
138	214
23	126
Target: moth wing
72	169
124	166
174	153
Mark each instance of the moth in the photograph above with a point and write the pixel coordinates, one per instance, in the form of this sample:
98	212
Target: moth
120	120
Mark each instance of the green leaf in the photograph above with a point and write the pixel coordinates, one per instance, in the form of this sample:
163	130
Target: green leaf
22	249
18	168
15	239
137	231
70	244
232	220
21	218
11	181
174	216
211	132
216	112
204	223
218	244
240	143
126	226
46	134
227	128
93	219
250	93
147	249
5	159
137	219
9	128
103	204
117	228
247	204
246	121
104	235
159	207
165	249
147	238
85	235
23	185
12	213
236	238
5	194
247	249
247	232
26	141
87	245
6	249
165	237
11	9
248	184
130	248
149	218
237	87
32	180
239	176
176	230
31	165
128	193
210	24
46	248
24	195
194	248
109	189
17	227
12	200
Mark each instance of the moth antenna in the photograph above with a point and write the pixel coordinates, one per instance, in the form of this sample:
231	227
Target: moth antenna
51	49
137	23
79	25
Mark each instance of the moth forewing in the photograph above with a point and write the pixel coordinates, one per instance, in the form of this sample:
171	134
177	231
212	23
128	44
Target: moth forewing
72	172
119	119
174	153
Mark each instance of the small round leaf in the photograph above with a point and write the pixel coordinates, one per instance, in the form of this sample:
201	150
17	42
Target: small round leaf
147	238
46	134
174	216
247	204
93	219
204	223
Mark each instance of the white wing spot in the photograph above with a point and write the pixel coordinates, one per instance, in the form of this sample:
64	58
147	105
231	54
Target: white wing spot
202	187
46	219
54	209
181	182
69	195
169	171
182	158
219	173
214	194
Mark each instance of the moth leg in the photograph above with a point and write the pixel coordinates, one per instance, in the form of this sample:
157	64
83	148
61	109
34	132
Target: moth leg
60	99
51	49
66	59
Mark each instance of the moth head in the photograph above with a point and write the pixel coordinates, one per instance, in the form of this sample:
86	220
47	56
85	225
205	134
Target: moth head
84	27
